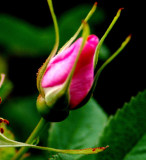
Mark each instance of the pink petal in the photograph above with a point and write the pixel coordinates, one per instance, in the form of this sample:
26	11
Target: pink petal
61	65
84	74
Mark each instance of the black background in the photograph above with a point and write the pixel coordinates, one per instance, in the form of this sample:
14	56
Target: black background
123	78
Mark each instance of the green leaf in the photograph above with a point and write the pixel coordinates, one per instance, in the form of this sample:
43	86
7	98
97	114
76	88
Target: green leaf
22	39
88	157
139	150
70	157
81	129
62	157
125	132
35	157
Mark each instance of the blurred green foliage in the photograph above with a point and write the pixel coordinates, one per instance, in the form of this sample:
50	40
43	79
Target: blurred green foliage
22	114
22	39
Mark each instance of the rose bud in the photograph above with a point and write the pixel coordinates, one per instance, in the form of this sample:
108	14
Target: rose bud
61	65
67	81
58	70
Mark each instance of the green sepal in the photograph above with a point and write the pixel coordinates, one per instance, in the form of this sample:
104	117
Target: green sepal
110	59
105	35
56	108
42	69
68	43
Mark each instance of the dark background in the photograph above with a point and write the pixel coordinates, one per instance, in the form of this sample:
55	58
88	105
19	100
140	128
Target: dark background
123	78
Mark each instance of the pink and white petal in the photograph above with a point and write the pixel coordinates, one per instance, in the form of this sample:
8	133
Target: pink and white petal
60	66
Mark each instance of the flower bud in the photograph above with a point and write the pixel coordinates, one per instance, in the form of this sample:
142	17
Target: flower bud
67	80
60	67
59	95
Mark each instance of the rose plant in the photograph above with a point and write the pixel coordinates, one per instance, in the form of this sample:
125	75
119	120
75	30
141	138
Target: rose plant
66	81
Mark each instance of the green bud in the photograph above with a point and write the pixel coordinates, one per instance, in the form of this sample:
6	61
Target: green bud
55	106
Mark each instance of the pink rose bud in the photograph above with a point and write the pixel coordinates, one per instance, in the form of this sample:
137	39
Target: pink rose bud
67	80
61	65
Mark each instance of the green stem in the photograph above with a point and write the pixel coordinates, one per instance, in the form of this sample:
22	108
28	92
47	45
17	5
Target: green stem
30	139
